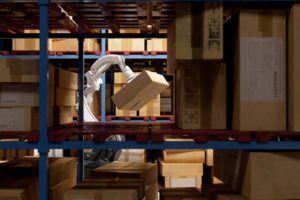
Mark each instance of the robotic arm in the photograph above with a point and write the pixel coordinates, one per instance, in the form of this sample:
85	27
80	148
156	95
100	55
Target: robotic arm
94	80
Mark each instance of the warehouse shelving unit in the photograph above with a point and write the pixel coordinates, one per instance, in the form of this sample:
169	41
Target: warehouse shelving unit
43	144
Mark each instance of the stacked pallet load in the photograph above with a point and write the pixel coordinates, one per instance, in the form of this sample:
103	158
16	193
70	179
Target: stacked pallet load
259	175
66	85
19	178
56	45
19	94
150	109
182	168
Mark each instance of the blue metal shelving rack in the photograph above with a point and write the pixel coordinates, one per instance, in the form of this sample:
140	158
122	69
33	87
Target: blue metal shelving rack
43	144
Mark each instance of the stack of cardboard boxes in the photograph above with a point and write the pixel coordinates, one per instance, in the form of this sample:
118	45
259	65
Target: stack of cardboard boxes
182	168
118	180
19	178
11	154
19	94
66	85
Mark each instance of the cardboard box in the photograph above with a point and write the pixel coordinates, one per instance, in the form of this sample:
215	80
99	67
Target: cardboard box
122	44
259	80
152	108
180	194
166	105
123	170
183	156
63	115
183	182
100	194
66	79
59	169
120	112
57	192
72	45
201	95
180	169
25	95
209	157
199	31
230	197
27	44
133	155
22	70
22	118
65	97
19	188
157	45
140	90
293	69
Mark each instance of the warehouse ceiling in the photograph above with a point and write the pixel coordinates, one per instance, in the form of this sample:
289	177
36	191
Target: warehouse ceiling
90	17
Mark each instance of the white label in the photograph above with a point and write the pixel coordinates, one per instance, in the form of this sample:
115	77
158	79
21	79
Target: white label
12	119
262	69
183	182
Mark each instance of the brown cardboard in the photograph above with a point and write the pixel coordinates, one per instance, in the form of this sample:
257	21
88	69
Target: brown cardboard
183	182
180	194
15	194
133	155
294	69
66	79
86	194
200	95
23	95
140	90
209	157
230	197
157	45
56	192
183	156
120	112
259	102
199	31
22	118
63	115
17	70
65	97
125	44
59	169
180	169
124	170
152	108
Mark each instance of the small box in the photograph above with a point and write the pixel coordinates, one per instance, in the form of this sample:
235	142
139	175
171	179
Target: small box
183	182
140	91
180	169
133	155
152	108
157	45
183	156
56	192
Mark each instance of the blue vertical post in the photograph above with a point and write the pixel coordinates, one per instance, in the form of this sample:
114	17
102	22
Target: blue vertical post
43	146
103	86
81	110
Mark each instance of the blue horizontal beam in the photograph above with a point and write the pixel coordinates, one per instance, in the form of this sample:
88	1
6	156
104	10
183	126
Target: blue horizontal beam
17	145
227	145
222	145
158	57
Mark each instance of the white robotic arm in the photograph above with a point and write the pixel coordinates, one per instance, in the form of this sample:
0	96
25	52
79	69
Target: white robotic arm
94	80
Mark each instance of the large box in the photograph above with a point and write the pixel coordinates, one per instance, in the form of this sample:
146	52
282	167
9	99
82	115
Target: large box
259	100
72	45
199	31
201	95
183	156
23	95
294	69
152	108
56	192
64	115
22	118
157	45
140	90
59	169
65	97
66	79
22	70
125	170
125	44
261	175
180	169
